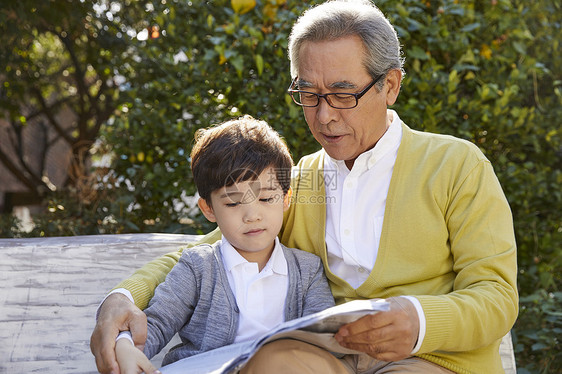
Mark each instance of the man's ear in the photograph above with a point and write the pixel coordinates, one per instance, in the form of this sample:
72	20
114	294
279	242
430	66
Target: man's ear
392	86
287	199
206	209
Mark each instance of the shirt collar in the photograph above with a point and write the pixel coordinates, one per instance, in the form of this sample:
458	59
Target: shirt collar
388	142
232	258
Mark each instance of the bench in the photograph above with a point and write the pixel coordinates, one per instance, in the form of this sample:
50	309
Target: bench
51	288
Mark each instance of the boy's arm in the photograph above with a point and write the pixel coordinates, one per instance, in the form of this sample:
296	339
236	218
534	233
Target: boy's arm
173	304
318	295
131	359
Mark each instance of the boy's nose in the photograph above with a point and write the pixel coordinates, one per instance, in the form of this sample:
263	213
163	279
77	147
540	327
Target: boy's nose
251	213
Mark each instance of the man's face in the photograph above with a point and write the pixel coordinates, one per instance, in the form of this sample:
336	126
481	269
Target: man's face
337	66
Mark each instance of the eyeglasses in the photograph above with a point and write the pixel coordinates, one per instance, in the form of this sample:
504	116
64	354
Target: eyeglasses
338	100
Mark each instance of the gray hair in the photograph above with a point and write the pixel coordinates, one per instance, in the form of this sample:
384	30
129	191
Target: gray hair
340	18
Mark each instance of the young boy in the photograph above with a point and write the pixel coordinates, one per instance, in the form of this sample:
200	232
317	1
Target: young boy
246	283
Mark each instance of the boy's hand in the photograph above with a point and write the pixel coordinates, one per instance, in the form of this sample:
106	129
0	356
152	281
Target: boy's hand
131	359
117	313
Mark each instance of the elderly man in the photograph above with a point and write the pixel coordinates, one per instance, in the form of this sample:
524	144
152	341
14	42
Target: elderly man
417	218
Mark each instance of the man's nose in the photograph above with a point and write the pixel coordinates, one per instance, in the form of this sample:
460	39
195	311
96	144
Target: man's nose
324	112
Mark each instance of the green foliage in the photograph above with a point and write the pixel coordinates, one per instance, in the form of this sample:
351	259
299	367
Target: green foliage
10	226
539	331
95	207
487	71
56	73
230	65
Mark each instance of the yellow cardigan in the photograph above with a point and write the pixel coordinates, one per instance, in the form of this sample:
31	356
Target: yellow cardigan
447	238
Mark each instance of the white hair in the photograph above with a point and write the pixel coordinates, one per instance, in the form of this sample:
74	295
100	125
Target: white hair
340	18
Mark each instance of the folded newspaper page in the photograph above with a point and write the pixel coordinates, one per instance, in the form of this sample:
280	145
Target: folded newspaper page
318	329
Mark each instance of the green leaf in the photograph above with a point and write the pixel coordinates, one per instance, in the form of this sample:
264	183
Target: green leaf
520	47
417	53
238	63
259	63
471	27
539	346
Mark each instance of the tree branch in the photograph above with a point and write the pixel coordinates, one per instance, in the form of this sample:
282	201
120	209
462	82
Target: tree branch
54	105
80	83
18	144
52	120
45	145
16	172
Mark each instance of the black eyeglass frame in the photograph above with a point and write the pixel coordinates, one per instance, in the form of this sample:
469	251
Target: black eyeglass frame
325	96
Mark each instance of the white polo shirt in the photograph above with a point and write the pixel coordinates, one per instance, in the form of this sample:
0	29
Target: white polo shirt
260	296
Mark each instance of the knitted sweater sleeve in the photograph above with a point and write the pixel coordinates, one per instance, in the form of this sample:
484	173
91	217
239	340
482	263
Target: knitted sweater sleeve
483	303
144	281
172	305
317	296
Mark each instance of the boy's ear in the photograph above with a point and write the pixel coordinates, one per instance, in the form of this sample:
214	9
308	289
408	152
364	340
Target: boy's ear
206	209
287	199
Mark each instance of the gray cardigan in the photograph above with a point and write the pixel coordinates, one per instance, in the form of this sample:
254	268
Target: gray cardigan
197	302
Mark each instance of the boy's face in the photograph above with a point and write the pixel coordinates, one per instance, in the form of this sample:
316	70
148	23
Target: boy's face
249	214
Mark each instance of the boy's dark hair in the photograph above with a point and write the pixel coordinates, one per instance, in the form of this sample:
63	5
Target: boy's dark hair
236	151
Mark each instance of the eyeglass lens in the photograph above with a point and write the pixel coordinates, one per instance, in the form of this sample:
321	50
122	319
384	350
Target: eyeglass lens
336	100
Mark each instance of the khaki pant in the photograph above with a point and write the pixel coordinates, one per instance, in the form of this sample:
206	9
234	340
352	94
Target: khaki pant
293	356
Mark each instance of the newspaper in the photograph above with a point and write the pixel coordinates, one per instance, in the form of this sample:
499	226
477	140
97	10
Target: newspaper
318	329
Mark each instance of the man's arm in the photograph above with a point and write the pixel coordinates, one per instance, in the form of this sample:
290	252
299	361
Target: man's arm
483	250
483	304
144	281
118	313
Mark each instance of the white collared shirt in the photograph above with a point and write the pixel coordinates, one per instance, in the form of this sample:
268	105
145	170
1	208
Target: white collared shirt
260	296
356	201
354	221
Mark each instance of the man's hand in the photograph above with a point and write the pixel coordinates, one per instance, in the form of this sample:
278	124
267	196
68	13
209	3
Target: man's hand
386	336
117	313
